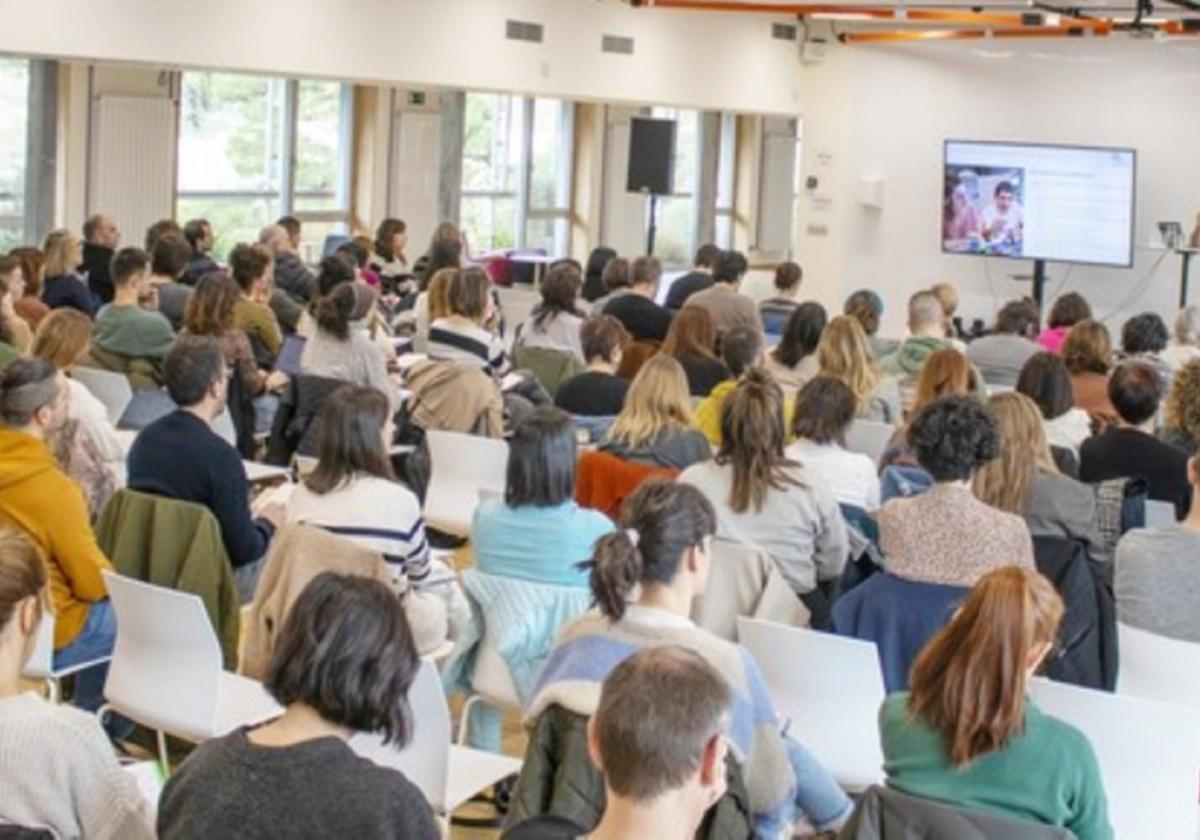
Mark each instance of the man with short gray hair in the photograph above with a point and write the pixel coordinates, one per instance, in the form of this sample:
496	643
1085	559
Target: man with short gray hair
101	238
291	274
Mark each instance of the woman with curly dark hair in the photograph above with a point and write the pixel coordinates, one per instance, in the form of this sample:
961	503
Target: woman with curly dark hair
947	535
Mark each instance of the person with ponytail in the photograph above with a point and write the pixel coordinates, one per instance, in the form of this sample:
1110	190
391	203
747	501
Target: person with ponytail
338	351
58	771
661	552
764	498
966	733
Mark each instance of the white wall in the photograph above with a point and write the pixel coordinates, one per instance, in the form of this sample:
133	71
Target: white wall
681	58
874	111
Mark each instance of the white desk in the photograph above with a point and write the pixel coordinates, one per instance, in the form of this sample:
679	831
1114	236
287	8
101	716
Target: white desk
257	473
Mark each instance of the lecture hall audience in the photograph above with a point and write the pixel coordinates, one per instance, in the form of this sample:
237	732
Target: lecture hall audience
1087	353
63	286
741	349
211	311
253	269
199	235
844	353
823	414
1046	380
655	426
866	307
945	373
387	258
28	303
793	361
169	258
727	306
927	335
696	280
124	326
338	349
777	308
101	238
555	321
1000	356
635	308
1066	312
598	391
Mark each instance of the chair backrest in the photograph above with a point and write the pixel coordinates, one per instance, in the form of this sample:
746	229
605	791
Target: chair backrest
112	389
884	812
1148	752
1158	667
1159	514
426	759
868	437
460	466
166	664
831	688
516	304
41	663
743	580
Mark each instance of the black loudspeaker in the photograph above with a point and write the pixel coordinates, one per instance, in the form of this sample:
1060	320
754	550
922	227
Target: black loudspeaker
651	156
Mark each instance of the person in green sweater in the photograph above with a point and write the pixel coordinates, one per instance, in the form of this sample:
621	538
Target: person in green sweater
966	734
123	326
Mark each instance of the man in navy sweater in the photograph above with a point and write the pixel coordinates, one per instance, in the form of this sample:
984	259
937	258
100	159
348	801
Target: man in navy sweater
181	457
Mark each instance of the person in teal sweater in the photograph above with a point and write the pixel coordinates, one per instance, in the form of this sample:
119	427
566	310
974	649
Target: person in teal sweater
965	733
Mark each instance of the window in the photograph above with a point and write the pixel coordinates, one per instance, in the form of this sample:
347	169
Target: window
252	149
14	117
675	241
516	172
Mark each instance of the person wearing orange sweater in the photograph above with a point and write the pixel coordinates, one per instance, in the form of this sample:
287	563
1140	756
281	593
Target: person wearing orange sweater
41	500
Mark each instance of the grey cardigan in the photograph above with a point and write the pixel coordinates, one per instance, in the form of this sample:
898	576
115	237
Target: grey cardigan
1060	506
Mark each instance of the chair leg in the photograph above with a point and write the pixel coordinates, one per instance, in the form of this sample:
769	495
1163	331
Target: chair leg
53	690
164	757
464	719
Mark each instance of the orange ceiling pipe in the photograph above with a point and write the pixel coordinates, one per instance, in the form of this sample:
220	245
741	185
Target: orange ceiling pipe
971	34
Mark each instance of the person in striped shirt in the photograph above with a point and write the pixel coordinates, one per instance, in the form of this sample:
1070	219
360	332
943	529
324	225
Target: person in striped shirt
462	337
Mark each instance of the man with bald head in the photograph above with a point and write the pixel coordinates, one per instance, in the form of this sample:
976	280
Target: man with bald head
291	274
101	238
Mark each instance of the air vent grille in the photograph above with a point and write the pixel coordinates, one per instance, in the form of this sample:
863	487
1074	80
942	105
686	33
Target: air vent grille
520	30
784	31
617	44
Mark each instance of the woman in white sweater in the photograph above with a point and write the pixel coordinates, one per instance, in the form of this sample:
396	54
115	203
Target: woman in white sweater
57	768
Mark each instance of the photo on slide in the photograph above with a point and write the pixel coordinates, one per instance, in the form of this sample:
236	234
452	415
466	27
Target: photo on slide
983	210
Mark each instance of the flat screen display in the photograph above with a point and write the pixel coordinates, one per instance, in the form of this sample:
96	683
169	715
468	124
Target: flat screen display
1054	203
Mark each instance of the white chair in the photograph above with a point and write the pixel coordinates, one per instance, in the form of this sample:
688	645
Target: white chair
1157	667
1148	752
41	663
112	389
831	688
460	466
1159	514
743	580
166	668
868	437
448	775
222	424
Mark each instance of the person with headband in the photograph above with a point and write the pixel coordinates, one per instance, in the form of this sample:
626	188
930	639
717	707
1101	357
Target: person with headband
57	769
663	550
966	733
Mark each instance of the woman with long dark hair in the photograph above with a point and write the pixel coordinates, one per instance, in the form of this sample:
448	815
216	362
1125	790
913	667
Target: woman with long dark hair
794	360
555	322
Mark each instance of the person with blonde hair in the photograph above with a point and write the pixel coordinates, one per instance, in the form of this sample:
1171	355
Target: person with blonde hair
655	425
433	304
966	732
63	286
1025	480
947	295
844	354
1186	345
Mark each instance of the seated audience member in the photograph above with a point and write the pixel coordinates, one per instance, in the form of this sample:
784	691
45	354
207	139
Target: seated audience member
337	350
42	501
655	425
1066	312
292	276
691	341
946	373
844	354
387	258
58	770
598	391
777	309
866	307
353	491
823	413
293	226
101	238
180	456
741	350
764	498
63	286
333	272
124	326
663	764
644	319
1000	356
462	337
357	256
252	267
161	228
696	280
18	335
927	335
593	274
727	307
343	664
947	535
537	532
1129	449
947	296
164	291
1186	346
1025	480
446	250
793	361
1087	353
28	301
1157	576
1143	339
199	235
555	321
615	281
1182	426
1046	381
210	312
662	553
432	303
967	733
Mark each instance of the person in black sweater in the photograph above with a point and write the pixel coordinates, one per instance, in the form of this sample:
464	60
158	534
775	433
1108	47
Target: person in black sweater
1129	449
644	319
101	238
179	456
598	391
696	280
199	235
343	663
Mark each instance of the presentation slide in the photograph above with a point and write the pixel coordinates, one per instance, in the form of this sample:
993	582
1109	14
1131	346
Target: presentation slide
1056	203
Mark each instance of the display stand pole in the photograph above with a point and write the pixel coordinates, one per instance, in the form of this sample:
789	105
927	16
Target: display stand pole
1185	259
653	229
1039	284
